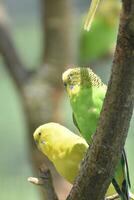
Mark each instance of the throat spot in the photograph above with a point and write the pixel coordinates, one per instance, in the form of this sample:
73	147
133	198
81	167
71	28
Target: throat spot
71	87
43	142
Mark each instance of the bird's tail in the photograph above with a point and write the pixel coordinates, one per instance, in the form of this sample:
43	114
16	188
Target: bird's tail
91	13
121	180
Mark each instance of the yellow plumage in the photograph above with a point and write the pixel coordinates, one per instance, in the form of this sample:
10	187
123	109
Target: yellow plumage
64	148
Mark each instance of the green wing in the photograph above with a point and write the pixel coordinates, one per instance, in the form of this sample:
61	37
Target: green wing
79	151
75	122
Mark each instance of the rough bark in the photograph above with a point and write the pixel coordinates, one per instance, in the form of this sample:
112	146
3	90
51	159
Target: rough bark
109	139
45	180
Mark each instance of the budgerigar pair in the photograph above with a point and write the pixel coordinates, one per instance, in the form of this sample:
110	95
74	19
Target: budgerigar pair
66	150
86	92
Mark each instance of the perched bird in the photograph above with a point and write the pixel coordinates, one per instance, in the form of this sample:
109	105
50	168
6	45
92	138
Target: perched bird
86	92
65	149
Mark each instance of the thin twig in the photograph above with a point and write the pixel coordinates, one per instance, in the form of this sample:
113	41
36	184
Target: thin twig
45	180
36	181
113	197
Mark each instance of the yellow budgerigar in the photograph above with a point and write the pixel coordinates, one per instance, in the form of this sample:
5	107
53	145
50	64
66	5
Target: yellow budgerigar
64	148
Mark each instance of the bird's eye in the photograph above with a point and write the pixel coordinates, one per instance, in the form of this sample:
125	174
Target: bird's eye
39	133
65	84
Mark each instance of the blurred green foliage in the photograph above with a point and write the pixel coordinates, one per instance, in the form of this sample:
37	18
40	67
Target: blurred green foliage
96	43
101	38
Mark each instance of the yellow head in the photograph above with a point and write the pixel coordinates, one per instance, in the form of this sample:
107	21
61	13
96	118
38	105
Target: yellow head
43	136
39	136
48	135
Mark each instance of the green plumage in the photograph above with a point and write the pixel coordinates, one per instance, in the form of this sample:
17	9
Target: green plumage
86	92
88	111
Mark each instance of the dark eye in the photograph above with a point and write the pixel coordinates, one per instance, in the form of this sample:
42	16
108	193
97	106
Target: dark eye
65	84
39	133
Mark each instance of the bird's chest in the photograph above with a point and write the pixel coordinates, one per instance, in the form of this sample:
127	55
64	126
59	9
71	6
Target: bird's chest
85	106
67	167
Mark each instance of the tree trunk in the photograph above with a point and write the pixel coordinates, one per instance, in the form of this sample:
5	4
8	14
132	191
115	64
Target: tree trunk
102	157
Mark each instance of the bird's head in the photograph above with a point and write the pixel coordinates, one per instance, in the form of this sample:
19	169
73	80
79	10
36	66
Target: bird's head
39	136
75	78
43	135
72	79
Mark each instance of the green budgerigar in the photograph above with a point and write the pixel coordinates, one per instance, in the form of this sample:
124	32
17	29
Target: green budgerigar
86	92
65	149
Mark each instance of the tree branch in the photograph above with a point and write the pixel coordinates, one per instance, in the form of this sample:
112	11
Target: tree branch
45	180
11	58
102	157
113	197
